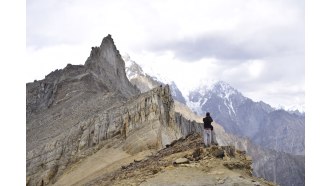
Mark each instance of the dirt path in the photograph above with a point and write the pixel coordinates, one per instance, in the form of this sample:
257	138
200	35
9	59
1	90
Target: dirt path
205	173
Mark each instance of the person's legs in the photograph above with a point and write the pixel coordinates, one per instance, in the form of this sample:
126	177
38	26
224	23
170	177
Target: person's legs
205	137
209	135
213	138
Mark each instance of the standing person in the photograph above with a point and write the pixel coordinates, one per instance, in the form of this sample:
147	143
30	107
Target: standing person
207	129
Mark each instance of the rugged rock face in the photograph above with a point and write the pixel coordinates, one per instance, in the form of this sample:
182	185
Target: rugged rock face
110	72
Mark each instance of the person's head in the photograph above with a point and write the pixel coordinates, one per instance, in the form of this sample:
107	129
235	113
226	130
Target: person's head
207	114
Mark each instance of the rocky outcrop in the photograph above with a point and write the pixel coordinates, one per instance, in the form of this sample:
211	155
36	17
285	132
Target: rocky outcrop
186	162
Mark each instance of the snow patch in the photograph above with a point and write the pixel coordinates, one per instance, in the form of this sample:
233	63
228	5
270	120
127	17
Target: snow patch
195	106
292	108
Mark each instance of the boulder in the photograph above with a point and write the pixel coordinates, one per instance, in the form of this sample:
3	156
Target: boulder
181	161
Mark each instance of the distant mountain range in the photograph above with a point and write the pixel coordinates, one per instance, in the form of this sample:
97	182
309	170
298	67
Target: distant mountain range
274	129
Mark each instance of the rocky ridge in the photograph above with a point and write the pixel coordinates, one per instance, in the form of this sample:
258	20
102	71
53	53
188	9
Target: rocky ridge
141	123
146	121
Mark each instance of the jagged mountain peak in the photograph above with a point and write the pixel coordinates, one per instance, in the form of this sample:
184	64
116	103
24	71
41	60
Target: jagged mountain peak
106	63
201	99
221	88
104	71
106	53
224	86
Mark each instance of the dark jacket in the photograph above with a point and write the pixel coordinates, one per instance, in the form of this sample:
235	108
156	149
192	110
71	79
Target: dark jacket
207	122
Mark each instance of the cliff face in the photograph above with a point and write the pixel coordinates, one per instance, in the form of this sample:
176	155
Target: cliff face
106	63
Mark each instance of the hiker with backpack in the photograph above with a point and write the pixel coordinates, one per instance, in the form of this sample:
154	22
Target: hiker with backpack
208	128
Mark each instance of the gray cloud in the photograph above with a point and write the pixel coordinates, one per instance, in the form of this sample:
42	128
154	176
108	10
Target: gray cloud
50	23
264	43
210	45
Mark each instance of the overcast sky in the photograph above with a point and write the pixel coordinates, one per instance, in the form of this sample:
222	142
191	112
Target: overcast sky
257	46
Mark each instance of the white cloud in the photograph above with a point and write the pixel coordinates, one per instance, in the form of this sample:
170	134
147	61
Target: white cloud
255	68
186	75
42	61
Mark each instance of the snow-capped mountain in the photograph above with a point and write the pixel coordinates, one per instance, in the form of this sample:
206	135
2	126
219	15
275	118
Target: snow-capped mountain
264	125
132	69
199	97
145	82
